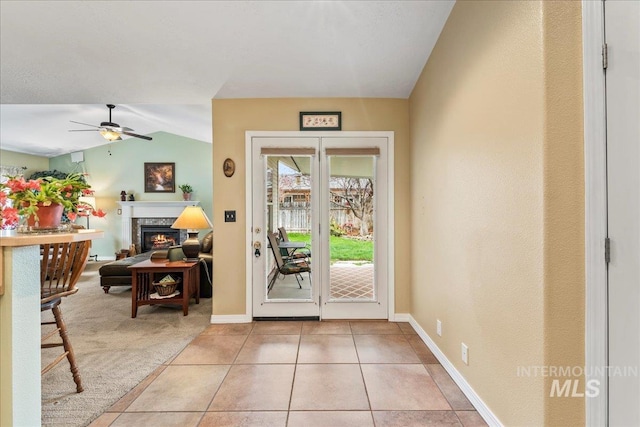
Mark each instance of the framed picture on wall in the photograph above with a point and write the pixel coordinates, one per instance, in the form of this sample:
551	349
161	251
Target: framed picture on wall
321	120
159	178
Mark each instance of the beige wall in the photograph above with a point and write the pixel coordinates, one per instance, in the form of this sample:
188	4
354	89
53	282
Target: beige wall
232	118
564	210
496	172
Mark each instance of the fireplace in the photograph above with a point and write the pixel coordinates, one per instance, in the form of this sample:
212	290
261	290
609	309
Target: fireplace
149	213
155	237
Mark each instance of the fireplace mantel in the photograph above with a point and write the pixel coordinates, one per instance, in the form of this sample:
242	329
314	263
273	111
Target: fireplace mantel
150	209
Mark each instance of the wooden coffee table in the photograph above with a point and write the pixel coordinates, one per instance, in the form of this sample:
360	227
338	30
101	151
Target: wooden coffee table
142	277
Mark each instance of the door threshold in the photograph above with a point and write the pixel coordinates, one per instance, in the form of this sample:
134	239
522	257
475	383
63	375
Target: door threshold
258	319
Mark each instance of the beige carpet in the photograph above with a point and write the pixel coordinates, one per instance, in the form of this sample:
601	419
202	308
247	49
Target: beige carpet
114	351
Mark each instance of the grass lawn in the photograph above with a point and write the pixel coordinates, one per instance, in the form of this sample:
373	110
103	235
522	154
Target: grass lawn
342	249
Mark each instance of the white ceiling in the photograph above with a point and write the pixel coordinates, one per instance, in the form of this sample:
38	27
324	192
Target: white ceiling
161	62
43	129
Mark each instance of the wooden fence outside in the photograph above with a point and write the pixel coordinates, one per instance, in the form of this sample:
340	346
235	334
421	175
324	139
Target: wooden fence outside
298	220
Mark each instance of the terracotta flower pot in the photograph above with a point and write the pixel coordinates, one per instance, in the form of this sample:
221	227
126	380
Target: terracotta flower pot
48	216
186	196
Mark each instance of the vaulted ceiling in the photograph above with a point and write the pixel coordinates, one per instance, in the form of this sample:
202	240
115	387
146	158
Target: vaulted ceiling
162	62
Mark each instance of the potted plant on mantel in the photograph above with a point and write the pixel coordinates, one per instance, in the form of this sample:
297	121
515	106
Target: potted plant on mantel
43	200
186	191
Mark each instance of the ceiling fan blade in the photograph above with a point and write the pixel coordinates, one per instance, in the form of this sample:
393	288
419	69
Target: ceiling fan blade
118	128
84	130
85	124
135	135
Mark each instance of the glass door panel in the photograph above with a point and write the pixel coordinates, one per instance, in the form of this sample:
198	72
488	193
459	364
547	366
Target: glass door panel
289	192
351	219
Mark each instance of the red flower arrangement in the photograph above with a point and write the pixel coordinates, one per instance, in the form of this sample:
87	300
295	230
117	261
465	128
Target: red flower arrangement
27	194
8	215
84	210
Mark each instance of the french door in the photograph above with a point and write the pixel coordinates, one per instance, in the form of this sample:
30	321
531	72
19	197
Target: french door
623	210
320	229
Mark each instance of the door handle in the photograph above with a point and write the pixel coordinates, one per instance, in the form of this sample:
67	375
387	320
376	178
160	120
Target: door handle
257	245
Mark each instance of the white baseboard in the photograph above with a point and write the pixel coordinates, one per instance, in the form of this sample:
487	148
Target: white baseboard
457	377
230	318
400	317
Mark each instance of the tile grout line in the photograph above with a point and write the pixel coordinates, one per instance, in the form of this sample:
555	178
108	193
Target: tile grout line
364	383
293	380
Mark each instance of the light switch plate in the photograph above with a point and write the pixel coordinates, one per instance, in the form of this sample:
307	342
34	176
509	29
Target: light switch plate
465	354
229	216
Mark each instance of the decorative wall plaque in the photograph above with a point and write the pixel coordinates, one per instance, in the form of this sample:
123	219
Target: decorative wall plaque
229	167
321	120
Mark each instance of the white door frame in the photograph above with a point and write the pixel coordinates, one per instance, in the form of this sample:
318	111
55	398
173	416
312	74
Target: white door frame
596	341
249	135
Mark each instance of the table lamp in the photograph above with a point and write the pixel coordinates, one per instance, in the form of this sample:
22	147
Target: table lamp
192	219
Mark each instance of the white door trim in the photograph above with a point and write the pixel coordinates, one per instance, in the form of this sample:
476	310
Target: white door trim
595	208
249	135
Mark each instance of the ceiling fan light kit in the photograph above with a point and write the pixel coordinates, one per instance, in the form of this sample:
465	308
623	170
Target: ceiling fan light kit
109	130
110	135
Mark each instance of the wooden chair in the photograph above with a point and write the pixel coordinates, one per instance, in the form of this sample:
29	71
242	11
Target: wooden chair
284	267
60	268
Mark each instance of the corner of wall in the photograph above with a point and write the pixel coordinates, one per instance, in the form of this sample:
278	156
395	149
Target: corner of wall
564	226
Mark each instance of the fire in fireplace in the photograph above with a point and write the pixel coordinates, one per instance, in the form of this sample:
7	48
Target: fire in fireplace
154	237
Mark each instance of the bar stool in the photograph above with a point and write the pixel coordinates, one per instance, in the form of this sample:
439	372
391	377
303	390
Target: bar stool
61	265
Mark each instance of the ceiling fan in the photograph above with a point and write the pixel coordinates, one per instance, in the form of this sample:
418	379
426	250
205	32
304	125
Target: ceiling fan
109	130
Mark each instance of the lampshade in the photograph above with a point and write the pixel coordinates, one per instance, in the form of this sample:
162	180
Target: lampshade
192	218
110	135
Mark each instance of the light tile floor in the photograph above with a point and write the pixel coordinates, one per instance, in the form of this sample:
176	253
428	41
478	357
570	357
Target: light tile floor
308	374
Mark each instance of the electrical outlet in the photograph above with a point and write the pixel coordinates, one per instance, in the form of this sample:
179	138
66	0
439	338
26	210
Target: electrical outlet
439	327
465	354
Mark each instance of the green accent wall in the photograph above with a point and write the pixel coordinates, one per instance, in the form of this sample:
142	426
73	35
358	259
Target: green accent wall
119	166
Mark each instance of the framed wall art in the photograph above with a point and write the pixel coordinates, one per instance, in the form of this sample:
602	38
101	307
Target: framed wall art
229	167
321	120
159	178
